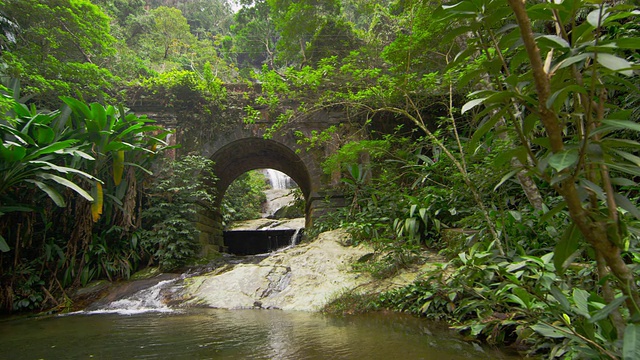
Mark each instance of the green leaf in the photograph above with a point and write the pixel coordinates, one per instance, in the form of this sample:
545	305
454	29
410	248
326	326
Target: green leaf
627	205
623	182
631	345
4	247
628	43
549	331
605	311
471	104
557	98
594	19
615	63
77	106
484	128
51	148
622	124
506	177
562	299
7	209
581	300
44	135
594	188
566	248
67	183
53	194
631	170
148	172
554	41
99	114
12	153
63	169
563	159
556	209
573	59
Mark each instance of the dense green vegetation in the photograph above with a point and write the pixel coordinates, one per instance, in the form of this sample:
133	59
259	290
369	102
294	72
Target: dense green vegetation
245	197
517	123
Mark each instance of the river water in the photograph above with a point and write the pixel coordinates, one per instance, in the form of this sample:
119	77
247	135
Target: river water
233	334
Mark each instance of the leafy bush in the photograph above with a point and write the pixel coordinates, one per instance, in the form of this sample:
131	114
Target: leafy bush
518	300
183	89
179	190
244	198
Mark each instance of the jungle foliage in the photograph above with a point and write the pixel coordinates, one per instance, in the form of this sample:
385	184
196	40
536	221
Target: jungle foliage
245	197
514	122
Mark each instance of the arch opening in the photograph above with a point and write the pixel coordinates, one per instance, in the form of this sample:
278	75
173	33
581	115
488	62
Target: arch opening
241	156
244	155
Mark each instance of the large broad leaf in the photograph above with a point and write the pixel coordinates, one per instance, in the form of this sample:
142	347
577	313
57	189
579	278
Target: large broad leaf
99	114
563	159
605	311
22	138
67	183
62	169
615	63
581	301
51	148
77	106
53	194
631	346
12	152
44	135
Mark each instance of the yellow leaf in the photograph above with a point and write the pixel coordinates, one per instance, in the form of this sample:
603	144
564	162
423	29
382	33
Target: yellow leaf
118	166
96	205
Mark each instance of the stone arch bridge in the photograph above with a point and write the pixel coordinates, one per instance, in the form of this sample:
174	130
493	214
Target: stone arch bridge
222	135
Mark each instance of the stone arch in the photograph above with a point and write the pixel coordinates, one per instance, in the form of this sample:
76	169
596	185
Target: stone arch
240	156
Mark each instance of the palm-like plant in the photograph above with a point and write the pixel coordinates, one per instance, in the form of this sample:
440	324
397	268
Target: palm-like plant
31	148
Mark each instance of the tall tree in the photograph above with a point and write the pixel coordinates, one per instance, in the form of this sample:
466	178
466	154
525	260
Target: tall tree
310	30
254	35
62	48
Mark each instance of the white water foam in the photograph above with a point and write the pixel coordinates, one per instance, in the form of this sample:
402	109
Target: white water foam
278	180
143	301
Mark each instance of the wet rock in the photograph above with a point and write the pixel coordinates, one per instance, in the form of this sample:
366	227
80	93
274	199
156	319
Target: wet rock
301	278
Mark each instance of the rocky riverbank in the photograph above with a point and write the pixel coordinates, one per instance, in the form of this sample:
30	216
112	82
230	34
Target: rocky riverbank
305	278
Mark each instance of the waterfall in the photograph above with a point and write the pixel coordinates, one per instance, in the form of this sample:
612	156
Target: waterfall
277	179
146	300
295	236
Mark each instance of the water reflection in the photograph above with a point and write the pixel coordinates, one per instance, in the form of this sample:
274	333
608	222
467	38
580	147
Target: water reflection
233	334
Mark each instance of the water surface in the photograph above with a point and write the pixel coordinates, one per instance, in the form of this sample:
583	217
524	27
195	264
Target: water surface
233	334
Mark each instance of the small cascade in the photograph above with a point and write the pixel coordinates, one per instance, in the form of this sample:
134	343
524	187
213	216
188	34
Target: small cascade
295	237
278	180
150	299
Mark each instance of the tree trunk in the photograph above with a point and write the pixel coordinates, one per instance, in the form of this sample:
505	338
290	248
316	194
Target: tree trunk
594	231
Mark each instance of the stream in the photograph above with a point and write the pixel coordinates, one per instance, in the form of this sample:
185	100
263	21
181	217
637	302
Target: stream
233	334
155	322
